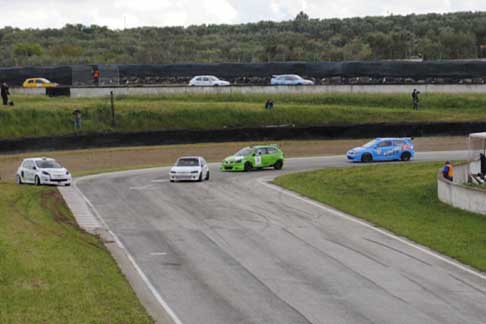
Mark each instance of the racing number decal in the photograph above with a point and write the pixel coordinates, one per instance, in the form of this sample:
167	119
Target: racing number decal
258	160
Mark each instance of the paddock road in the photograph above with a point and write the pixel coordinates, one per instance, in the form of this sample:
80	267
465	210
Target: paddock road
237	250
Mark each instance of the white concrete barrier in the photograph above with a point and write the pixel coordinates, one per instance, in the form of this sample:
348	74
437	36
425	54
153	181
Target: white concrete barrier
27	91
318	89
458	194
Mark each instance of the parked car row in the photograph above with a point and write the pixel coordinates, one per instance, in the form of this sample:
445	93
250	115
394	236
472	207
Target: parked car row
285	79
197	81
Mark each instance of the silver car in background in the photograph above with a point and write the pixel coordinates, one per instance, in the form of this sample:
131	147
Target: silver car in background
207	81
290	79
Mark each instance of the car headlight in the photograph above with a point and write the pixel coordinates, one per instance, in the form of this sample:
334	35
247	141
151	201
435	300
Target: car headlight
238	160
67	173
45	173
172	171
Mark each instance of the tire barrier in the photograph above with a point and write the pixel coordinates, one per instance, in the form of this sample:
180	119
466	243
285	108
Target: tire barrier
97	140
447	71
15	76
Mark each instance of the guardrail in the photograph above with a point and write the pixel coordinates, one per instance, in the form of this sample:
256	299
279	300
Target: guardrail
459	195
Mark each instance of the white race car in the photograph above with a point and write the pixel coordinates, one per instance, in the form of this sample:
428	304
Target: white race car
189	168
43	171
207	81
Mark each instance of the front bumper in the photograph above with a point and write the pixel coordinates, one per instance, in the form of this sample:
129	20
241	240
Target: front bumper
232	166
354	158
184	176
56	182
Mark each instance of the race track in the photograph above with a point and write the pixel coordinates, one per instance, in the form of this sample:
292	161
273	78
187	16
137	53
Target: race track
237	250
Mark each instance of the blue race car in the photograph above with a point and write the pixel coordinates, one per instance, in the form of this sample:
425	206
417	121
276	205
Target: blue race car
383	149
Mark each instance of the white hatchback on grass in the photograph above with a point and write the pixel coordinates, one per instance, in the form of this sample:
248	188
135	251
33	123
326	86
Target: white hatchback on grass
207	81
41	171
189	168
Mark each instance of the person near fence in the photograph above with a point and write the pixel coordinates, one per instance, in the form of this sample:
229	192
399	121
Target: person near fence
415	99
77	119
96	76
269	104
448	171
5	93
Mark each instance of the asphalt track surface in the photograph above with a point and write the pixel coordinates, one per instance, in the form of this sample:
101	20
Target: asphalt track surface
237	250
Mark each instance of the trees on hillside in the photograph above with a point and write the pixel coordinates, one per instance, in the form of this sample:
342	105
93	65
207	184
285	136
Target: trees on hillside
433	36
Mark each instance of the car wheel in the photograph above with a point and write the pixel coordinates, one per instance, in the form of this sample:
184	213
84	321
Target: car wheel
68	185
207	176
366	157
37	181
200	177
278	165
405	156
18	180
248	166
171	180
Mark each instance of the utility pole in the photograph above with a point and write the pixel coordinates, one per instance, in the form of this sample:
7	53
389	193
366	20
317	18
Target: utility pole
112	100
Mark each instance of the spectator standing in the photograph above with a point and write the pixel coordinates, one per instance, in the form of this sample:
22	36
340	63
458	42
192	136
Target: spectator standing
269	104
415	99
77	119
448	171
96	76
5	93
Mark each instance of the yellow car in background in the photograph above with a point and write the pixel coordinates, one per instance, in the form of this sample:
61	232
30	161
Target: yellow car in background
39	83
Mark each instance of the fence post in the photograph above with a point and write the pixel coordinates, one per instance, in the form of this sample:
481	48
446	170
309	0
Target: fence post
112	100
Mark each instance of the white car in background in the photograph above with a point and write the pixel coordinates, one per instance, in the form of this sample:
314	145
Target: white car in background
207	81
290	79
189	168
41	171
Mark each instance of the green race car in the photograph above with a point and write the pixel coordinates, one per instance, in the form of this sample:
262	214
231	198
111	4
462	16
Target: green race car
256	157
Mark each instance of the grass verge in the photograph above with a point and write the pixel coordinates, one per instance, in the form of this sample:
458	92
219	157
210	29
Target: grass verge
401	198
43	116
51	271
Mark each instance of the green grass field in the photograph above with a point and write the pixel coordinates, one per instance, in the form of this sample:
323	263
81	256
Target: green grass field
52	272
401	198
42	116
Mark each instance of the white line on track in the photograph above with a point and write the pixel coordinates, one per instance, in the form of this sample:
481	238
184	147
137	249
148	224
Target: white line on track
337	213
142	275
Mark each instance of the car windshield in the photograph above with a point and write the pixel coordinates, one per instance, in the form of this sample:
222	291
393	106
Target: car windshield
48	164
187	162
244	152
370	144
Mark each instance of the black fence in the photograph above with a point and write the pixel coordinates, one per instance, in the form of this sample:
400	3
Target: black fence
230	135
340	72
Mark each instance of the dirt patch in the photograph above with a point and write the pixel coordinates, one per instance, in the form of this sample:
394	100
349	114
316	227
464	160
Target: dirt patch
88	161
52	200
